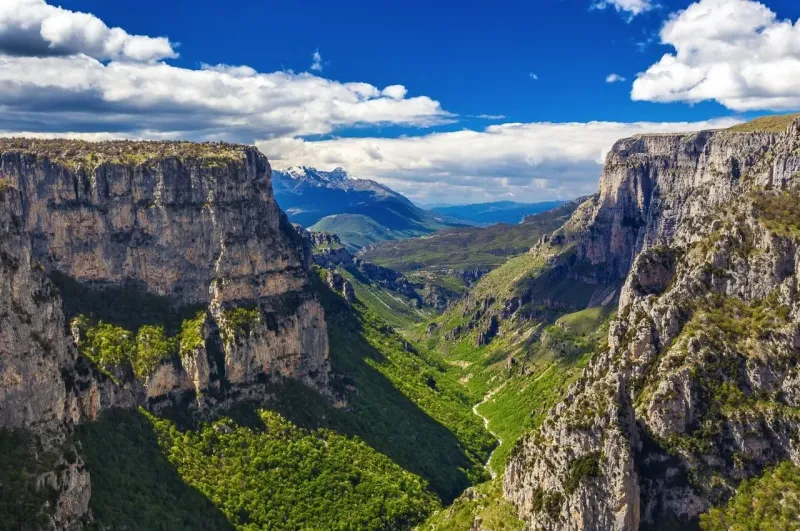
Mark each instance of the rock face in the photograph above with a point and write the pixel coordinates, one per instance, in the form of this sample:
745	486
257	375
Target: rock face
699	387
329	254
194	225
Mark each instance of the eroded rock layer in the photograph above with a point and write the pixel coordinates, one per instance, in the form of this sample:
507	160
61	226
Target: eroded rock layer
699	387
91	235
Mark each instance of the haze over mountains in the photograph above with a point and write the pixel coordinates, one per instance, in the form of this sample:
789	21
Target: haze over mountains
495	212
363	212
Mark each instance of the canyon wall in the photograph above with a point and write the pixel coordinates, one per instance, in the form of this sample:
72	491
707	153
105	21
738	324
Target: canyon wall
110	231
699	386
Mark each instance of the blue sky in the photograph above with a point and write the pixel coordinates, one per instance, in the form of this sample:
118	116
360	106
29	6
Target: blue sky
473	56
469	72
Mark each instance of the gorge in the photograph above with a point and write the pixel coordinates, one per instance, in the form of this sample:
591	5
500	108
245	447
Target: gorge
631	370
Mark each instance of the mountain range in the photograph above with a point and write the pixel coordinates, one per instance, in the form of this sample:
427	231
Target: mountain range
359	211
496	212
176	354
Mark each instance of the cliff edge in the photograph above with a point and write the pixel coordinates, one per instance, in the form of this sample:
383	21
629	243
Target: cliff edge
147	274
699	386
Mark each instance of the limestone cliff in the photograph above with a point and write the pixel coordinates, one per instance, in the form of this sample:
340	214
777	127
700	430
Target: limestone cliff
103	230
699	387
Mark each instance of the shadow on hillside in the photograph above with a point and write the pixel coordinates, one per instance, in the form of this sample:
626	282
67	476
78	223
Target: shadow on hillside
123	454
134	486
377	411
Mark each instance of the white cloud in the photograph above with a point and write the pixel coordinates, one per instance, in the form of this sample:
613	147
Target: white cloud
396	92
63	71
533	76
527	161
91	82
491	116
316	61
630	7
614	78
733	51
79	93
32	27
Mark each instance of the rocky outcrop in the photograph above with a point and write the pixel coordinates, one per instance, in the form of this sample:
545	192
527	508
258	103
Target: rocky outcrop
34	352
193	226
329	254
697	389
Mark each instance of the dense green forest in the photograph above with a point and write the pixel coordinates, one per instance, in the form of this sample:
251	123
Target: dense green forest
405	443
264	474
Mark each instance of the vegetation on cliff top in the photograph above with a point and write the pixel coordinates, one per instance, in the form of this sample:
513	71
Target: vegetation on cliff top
110	346
766	124
88	155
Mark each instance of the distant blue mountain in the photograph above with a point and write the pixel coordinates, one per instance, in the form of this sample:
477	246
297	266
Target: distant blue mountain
359	211
498	212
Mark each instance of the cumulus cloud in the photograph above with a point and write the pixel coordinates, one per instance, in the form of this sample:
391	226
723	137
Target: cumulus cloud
736	52
614	78
526	161
80	93
64	71
396	92
35	28
316	61
629	7
67	74
533	76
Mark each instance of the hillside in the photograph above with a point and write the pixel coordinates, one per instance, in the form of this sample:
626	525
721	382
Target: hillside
357	231
360	211
696	390
510	212
214	382
455	258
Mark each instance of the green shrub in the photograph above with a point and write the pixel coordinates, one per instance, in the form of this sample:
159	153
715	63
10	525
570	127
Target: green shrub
771	502
110	346
240	321
779	211
107	345
581	468
191	336
152	346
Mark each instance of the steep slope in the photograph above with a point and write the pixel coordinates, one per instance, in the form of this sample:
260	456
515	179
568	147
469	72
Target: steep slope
696	390
388	293
183	281
498	212
166	361
374	211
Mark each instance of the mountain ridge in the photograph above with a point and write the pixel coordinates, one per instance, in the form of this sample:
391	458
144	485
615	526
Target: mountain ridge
490	213
312	198
692	227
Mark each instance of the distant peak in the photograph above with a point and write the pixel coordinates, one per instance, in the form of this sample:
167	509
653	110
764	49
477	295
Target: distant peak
313	174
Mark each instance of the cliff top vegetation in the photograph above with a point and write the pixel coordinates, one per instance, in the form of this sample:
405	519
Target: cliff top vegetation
89	155
766	124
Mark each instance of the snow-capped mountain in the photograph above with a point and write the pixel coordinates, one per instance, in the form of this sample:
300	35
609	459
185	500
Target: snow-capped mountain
360	211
